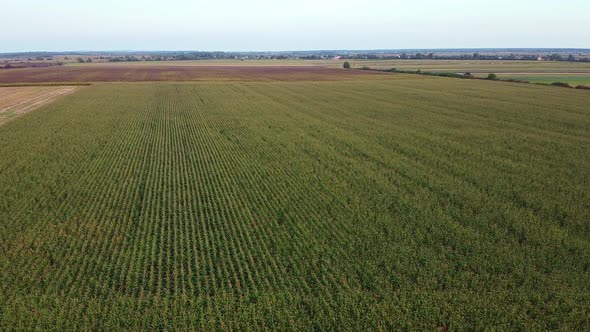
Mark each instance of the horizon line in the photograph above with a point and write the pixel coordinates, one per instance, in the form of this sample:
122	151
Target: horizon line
300	50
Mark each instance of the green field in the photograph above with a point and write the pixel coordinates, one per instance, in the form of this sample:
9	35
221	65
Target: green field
496	66
405	203
574	73
550	78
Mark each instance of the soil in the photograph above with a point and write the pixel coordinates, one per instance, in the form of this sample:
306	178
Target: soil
175	73
16	101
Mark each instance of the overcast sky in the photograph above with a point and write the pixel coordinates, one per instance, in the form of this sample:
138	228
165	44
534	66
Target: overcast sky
232	25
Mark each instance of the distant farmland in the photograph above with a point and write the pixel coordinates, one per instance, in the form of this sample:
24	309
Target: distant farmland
399	202
496	66
571	78
574	73
137	73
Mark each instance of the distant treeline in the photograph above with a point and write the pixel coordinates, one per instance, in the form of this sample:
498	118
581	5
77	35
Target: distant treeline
474	56
362	56
26	64
356	56
577	55
191	56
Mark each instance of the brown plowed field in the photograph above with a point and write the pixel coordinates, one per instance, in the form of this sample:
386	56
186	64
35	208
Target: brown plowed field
176	73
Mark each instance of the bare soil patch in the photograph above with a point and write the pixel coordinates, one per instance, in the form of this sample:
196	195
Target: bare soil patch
16	101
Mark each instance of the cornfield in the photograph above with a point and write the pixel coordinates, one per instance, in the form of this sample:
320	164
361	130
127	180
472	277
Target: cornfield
418	203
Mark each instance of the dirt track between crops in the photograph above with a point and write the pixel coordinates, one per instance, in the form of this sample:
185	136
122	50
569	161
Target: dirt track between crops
175	73
16	101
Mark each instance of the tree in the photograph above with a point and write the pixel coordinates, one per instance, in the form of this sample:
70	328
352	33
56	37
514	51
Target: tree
467	75
346	65
80	60
492	76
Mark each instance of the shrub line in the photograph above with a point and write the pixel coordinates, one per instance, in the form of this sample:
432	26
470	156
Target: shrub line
469	76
